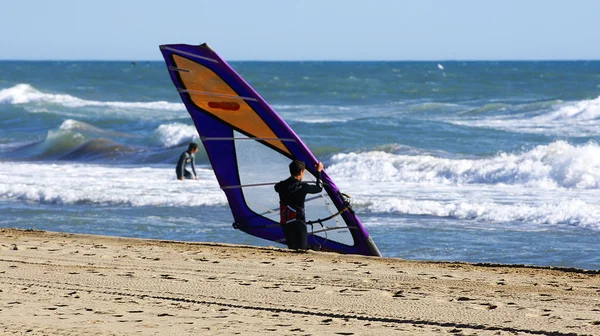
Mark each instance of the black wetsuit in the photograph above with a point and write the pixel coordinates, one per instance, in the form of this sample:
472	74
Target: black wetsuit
184	159
292	194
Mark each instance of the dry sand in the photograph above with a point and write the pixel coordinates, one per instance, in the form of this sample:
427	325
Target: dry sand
67	284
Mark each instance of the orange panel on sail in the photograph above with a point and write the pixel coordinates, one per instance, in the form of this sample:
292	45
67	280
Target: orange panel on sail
229	107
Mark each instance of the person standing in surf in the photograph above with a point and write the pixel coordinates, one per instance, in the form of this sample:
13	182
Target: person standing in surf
189	156
292	194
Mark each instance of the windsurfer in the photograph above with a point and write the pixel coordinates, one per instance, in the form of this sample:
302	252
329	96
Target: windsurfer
187	157
292	194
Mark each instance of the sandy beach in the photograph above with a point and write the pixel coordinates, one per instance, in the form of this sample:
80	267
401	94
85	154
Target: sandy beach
70	284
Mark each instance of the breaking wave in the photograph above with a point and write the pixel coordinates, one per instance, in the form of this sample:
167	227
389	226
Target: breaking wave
27	94
557	165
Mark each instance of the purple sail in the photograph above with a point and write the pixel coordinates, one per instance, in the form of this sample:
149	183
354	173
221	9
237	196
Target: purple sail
250	148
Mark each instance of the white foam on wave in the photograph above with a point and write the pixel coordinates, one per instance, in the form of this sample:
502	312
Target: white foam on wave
564	212
80	126
106	185
580	118
71	124
175	134
581	110
480	205
557	165
27	94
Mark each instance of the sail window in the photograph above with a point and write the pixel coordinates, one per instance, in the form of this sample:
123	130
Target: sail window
259	166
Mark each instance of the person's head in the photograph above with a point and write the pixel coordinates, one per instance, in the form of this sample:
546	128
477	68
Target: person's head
193	148
297	168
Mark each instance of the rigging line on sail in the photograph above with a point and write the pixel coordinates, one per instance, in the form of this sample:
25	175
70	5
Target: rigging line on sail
313	232
213	94
321	220
238	186
181	52
332	228
234	138
317	221
324	229
276	210
248	185
327	203
172	68
262	206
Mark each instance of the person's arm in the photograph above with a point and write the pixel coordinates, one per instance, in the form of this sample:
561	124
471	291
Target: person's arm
181	166
194	166
318	186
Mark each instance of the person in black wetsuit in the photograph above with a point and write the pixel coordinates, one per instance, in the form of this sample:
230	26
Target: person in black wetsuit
292	193
187	157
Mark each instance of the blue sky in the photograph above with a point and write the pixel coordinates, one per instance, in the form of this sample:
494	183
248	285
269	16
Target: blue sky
303	29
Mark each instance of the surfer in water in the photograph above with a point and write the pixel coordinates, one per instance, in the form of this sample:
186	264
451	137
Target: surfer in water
292	193
187	157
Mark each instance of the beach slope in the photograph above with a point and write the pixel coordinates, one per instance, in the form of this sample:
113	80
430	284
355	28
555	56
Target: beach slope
70	284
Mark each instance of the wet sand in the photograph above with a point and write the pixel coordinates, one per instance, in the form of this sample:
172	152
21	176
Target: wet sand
68	284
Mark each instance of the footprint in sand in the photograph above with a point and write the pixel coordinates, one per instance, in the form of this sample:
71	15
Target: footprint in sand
167	276
489	306
399	293
464	298
271	287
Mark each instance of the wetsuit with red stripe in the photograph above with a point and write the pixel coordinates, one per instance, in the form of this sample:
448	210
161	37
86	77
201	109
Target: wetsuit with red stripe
292	194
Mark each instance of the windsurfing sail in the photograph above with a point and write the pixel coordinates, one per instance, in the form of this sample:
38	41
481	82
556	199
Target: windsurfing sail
250	147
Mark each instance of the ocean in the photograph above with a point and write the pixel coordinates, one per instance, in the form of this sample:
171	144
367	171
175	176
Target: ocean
494	162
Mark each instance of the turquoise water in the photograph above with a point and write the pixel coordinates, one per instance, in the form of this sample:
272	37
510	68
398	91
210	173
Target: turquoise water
470	161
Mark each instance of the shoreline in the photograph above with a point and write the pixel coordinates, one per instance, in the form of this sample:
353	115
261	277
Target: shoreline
81	284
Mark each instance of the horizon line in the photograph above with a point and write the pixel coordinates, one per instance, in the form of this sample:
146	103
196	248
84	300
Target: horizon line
314	60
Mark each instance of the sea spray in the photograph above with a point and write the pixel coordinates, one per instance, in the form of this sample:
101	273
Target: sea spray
176	134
